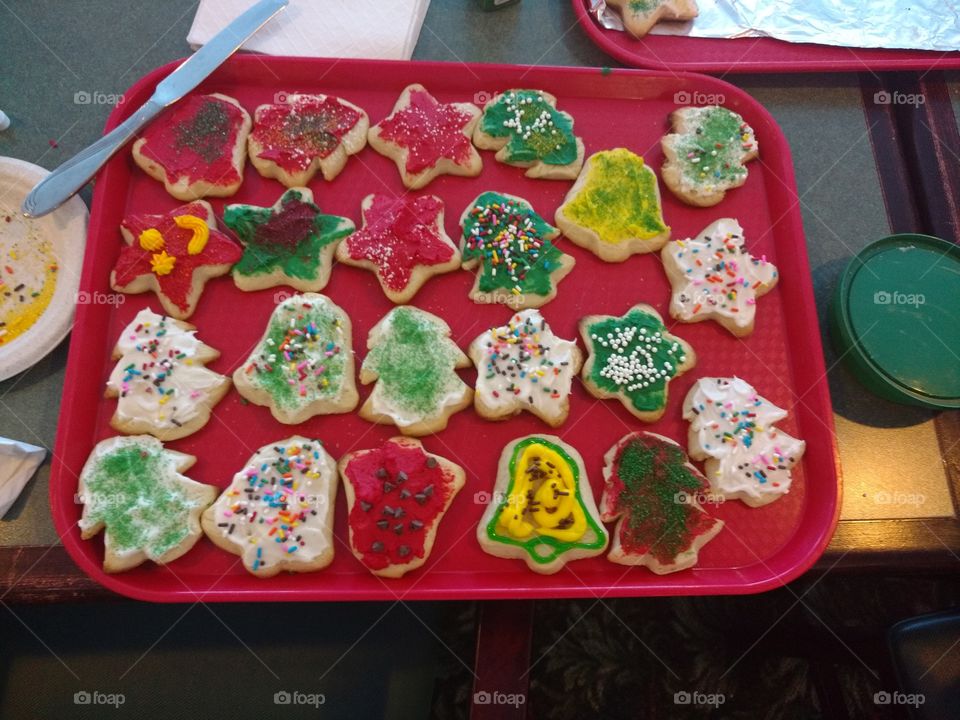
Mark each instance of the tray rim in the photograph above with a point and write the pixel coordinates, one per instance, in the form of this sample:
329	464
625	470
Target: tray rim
893	59
115	582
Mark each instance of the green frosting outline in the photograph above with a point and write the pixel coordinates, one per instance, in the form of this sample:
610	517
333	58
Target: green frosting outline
558	547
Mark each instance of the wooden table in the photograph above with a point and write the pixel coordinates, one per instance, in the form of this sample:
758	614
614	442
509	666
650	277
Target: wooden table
864	169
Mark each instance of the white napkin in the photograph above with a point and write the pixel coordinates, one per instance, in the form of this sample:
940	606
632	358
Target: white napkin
384	29
18	462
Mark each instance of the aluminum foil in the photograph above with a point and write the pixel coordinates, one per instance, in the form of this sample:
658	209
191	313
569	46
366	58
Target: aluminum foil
903	24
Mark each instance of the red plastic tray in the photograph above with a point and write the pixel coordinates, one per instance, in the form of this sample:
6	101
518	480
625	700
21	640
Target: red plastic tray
751	55
759	549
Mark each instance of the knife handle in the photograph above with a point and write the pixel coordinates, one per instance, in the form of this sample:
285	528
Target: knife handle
69	178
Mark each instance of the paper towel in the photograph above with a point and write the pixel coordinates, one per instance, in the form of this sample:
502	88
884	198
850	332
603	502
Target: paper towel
18	462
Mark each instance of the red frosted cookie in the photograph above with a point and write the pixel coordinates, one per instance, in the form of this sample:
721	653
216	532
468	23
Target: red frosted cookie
654	490
196	149
293	139
403	242
173	254
427	138
396	496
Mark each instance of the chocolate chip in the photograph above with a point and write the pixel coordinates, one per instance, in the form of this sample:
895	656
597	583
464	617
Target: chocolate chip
387	510
401	476
388	486
381	473
403	551
383	524
428	490
404	494
431	462
365	506
398	512
416	524
398	528
420	498
377	547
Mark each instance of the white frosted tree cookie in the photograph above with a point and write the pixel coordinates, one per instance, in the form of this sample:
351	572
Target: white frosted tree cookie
132	488
527	130
303	365
277	512
397	494
542	509
705	153
614	210
715	278
413	361
523	366
297	136
160	380
733	429
639	16
511	248
403	241
653	492
427	138
197	148
633	358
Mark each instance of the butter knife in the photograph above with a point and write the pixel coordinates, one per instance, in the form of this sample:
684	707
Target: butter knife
67	180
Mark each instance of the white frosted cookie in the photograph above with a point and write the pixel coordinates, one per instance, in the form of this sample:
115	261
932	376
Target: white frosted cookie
653	492
299	135
705	153
526	129
733	429
160	380
639	16
715	278
633	358
427	138
197	148
614	210
397	494
523	366
542	509
303	365
413	361
132	487
277	512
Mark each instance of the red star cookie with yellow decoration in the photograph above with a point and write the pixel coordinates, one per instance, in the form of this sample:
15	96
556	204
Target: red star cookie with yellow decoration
173	254
293	139
427	138
403	242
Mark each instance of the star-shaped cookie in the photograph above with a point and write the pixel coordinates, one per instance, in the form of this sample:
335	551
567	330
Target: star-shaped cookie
427	138
173	254
403	241
715	278
291	243
633	358
639	16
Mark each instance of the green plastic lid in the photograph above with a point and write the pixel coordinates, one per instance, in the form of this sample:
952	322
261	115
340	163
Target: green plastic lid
895	319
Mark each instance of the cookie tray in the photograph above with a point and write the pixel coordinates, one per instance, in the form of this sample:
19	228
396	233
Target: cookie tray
759	548
751	54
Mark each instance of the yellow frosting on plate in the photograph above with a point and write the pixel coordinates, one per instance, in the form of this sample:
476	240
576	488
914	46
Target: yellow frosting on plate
28	276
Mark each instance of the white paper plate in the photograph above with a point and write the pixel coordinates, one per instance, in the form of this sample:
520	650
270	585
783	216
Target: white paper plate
66	229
